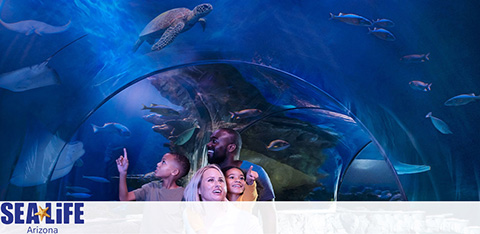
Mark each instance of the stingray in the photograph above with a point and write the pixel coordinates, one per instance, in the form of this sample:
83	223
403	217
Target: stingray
36	76
376	166
69	156
32	26
405	169
44	156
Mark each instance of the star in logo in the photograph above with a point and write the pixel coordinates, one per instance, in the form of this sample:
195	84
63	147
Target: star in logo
42	213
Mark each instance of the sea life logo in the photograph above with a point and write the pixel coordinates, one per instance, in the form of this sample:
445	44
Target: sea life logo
39	216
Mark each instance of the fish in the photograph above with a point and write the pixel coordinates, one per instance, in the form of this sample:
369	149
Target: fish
288	106
382	34
115	128
385	195
308	137
185	136
246	113
439	124
352	19
97	179
181	125
163	129
397	197
420	86
154	118
116	143
36	76
461	99
67	159
278	145
383	23
79	195
320	188
78	189
161	109
322	173
415	58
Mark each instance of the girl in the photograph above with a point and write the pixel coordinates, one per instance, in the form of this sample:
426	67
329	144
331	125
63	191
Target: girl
241	187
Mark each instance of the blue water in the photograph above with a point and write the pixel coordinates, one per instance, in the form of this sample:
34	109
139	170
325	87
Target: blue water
359	70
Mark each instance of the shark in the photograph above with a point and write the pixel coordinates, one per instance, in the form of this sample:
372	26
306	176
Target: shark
32	77
29	27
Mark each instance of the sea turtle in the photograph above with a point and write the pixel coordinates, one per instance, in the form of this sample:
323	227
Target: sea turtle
169	24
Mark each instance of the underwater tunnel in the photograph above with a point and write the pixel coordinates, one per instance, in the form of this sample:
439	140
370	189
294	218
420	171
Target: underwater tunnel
330	154
349	106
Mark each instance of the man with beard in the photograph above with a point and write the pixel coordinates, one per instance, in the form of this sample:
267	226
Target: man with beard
224	150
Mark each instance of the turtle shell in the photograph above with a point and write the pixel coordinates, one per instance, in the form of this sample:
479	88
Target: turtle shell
164	20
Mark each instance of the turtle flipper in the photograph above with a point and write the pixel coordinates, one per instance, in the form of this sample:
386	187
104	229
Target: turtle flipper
203	22
168	36
137	44
151	40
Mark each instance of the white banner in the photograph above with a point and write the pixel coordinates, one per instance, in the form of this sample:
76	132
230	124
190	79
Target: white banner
240	217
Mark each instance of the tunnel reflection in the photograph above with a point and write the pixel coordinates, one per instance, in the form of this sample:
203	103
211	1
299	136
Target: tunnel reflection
326	155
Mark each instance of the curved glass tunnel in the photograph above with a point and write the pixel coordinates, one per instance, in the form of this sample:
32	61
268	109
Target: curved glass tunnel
330	156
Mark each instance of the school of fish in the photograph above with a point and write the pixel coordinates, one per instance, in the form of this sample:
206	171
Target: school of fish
380	32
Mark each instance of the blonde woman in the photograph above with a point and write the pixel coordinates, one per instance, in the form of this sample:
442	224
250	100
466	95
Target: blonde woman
208	184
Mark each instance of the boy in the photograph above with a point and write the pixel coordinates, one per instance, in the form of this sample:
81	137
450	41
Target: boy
170	169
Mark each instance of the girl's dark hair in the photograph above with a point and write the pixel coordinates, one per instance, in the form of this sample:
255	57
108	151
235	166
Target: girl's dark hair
225	169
